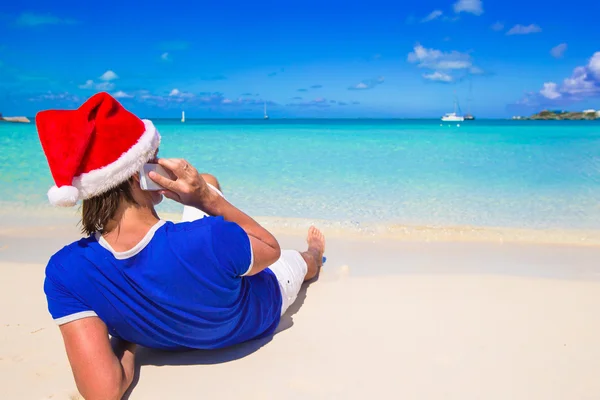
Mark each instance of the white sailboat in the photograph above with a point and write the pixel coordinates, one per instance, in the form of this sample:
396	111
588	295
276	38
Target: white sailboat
183	116
265	112
453	116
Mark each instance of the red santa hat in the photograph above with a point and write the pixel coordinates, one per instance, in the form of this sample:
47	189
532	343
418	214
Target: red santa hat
94	148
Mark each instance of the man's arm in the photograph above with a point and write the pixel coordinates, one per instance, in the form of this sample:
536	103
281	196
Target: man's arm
265	248
189	188
100	372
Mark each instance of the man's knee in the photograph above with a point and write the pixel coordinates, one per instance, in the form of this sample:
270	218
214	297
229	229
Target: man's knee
212	180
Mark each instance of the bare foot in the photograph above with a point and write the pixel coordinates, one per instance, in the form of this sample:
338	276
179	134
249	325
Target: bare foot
316	244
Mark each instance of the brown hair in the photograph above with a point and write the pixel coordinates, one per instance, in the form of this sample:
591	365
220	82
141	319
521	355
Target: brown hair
99	210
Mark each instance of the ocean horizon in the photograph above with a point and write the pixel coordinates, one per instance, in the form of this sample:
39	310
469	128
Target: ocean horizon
272	119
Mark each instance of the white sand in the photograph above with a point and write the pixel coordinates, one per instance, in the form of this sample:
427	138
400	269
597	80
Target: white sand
387	319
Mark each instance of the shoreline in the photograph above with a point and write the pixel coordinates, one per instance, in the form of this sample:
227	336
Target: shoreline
25	220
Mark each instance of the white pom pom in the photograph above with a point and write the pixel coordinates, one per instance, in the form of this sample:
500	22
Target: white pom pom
64	196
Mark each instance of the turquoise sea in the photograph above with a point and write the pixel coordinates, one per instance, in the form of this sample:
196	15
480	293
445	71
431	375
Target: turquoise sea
521	174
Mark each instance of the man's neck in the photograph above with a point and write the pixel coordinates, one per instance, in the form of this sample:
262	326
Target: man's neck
130	225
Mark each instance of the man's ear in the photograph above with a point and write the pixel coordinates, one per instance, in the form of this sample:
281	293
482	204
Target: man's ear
135	180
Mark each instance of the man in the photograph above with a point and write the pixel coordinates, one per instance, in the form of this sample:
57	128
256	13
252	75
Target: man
206	284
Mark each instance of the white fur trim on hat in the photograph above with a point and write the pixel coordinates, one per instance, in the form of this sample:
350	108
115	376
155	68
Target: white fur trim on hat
64	196
99	181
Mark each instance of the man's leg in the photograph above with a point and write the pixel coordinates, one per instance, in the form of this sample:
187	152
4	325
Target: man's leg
314	254
294	267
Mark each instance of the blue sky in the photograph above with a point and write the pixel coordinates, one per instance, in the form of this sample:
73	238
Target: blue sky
303	58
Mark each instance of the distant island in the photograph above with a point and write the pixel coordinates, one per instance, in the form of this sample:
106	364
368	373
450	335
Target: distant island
559	115
14	119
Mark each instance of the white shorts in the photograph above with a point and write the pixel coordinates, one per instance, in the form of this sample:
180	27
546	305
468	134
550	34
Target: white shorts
290	269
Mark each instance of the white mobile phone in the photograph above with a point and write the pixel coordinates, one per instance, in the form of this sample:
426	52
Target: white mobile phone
148	184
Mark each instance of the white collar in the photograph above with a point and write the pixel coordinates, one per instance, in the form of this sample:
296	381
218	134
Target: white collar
123	255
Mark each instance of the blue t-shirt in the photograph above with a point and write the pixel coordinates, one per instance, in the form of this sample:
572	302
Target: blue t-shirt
181	287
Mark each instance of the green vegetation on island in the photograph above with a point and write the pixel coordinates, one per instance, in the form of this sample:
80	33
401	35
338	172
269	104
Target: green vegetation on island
559	115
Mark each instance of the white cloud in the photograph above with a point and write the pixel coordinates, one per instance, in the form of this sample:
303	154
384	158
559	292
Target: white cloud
558	51
319	102
109	76
438	77
105	86
524	29
178	95
102	86
89	84
65	96
121	95
421	54
442	65
453	64
469	6
550	91
583	82
594	66
143	94
435	14
436	59
165	57
498	26
367	84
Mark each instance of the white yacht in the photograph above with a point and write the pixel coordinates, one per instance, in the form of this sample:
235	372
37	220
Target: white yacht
183	116
453	116
266	116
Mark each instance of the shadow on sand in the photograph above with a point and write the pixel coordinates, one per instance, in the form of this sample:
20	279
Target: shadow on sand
146	356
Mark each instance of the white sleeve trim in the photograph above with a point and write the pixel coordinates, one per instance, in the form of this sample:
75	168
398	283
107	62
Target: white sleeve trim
251	259
74	317
215	189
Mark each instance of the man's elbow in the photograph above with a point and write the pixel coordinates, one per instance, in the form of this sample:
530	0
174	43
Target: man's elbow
109	390
263	257
274	251
108	393
276	254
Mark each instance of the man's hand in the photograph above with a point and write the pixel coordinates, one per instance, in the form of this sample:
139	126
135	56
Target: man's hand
188	187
